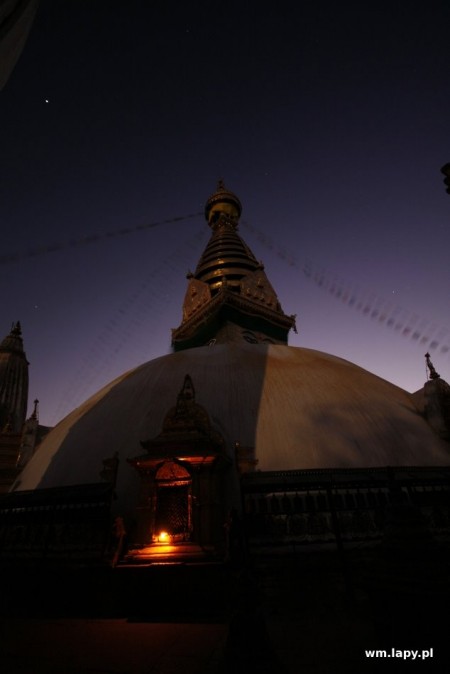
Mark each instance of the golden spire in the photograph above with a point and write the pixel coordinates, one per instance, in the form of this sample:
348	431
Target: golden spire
229	286
226	258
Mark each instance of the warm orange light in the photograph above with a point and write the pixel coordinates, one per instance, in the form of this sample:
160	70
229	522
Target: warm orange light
163	537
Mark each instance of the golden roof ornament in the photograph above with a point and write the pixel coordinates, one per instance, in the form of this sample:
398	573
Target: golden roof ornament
223	203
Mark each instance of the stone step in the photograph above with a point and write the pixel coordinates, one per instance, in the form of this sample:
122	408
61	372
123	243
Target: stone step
179	553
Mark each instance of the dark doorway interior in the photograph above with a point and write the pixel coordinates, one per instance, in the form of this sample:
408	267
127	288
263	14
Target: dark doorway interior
172	510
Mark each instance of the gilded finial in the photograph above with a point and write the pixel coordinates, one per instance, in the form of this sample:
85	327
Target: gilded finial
430	366
188	390
222	202
185	398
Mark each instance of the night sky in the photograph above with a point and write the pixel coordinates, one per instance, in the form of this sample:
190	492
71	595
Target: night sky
330	121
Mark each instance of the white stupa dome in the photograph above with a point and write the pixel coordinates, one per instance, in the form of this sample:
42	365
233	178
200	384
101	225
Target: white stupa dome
299	409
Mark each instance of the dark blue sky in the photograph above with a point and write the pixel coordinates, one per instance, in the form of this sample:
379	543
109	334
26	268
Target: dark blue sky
329	122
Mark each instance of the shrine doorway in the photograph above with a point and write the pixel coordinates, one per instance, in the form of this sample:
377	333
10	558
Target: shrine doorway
173	502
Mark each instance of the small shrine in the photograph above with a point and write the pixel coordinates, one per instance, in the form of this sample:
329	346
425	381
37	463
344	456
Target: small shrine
182	474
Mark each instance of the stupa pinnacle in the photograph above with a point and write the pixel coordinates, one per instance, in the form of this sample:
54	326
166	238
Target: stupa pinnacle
229	297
